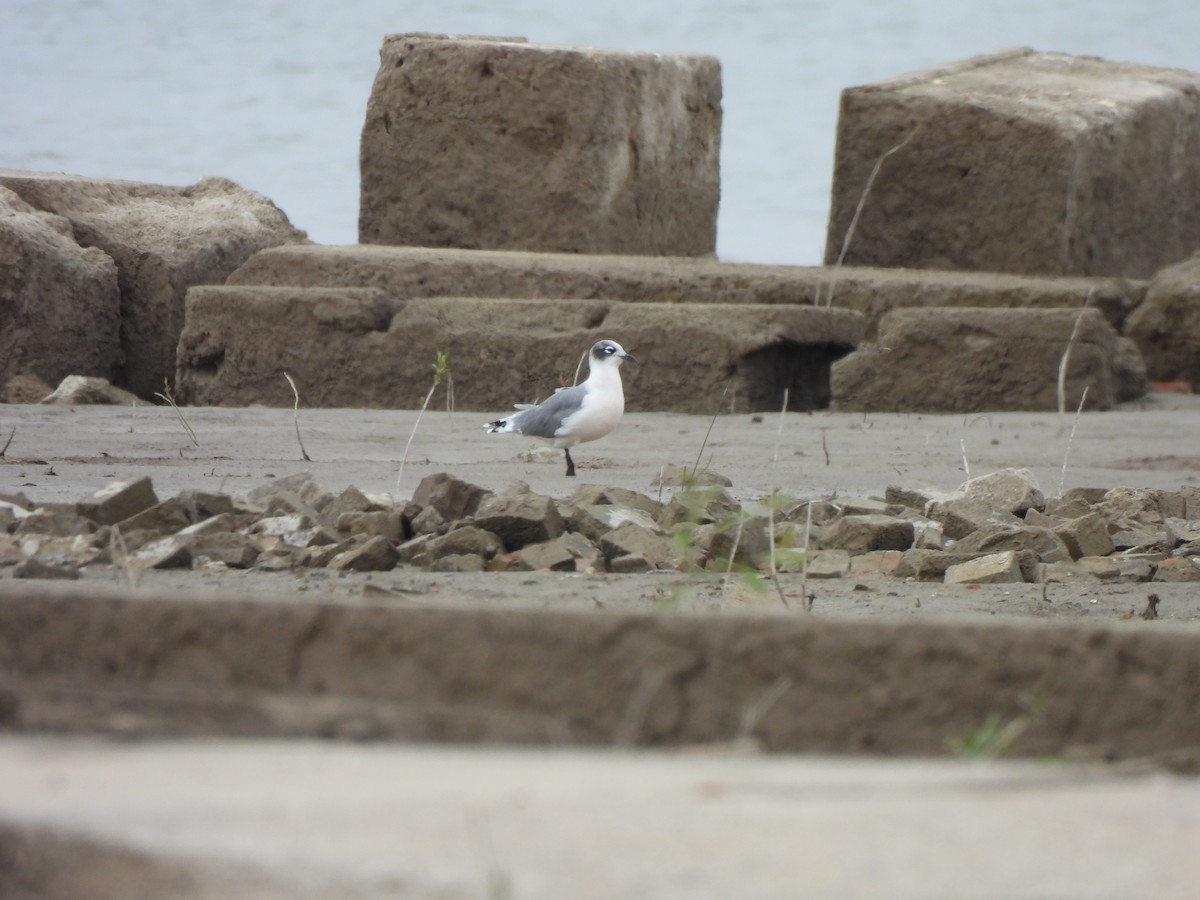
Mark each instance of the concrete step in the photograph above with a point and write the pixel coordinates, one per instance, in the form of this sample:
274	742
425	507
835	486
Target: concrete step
77	658
368	347
425	272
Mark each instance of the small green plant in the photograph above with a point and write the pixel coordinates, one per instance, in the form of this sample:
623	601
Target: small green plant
995	736
441	370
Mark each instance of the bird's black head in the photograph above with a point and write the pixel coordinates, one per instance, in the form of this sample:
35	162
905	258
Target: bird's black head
609	351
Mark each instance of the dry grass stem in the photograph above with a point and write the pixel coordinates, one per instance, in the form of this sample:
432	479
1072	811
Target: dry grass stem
737	540
754	712
119	553
441	369
862	202
804	566
166	397
779	432
8	443
962	445
1065	362
296	416
638	708
1062	478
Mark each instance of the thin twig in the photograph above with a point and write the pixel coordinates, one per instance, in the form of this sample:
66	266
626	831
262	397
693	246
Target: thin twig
779	432
862	201
296	416
711	423
441	368
1064	362
11	434
737	540
579	367
1070	440
754	712
771	558
807	600
166	396
119	554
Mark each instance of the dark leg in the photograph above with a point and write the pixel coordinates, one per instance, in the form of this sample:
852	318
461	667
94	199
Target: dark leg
570	463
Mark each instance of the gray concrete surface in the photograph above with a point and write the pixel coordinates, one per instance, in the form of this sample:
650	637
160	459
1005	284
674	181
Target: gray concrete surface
449	822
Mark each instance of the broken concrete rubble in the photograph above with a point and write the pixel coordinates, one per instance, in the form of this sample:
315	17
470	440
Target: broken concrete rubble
290	523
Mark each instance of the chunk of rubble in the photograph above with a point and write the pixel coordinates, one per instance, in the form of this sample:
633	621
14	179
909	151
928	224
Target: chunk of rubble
863	533
994	568
452	497
376	555
118	501
89	390
518	516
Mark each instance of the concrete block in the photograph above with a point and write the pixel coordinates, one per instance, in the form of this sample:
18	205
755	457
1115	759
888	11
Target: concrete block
60	307
973	360
447	272
1166	325
162	239
356	347
1021	161
499	143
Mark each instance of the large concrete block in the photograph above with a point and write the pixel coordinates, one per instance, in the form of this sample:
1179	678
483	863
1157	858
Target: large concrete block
163	240
499	143
60	309
430	272
361	347
1166	326
973	360
1021	161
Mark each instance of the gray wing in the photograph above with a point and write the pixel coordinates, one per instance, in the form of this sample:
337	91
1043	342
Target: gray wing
545	419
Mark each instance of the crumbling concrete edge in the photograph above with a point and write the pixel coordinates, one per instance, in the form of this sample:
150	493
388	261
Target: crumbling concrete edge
75	659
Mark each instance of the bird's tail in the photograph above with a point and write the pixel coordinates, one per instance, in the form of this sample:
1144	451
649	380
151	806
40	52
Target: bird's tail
499	425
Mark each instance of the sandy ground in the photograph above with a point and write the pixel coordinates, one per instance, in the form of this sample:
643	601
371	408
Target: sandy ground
64	453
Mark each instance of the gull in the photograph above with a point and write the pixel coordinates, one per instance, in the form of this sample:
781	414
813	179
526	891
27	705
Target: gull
585	412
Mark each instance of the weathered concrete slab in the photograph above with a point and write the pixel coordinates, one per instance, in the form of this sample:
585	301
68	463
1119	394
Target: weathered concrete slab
83	659
309	820
972	360
425	272
1021	161
163	240
362	347
499	143
60	308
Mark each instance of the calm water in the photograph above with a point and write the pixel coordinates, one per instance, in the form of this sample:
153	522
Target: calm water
272	94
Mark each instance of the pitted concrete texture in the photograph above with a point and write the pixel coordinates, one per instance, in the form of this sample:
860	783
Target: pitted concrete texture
500	143
83	658
260	819
430	272
1020	161
354	347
